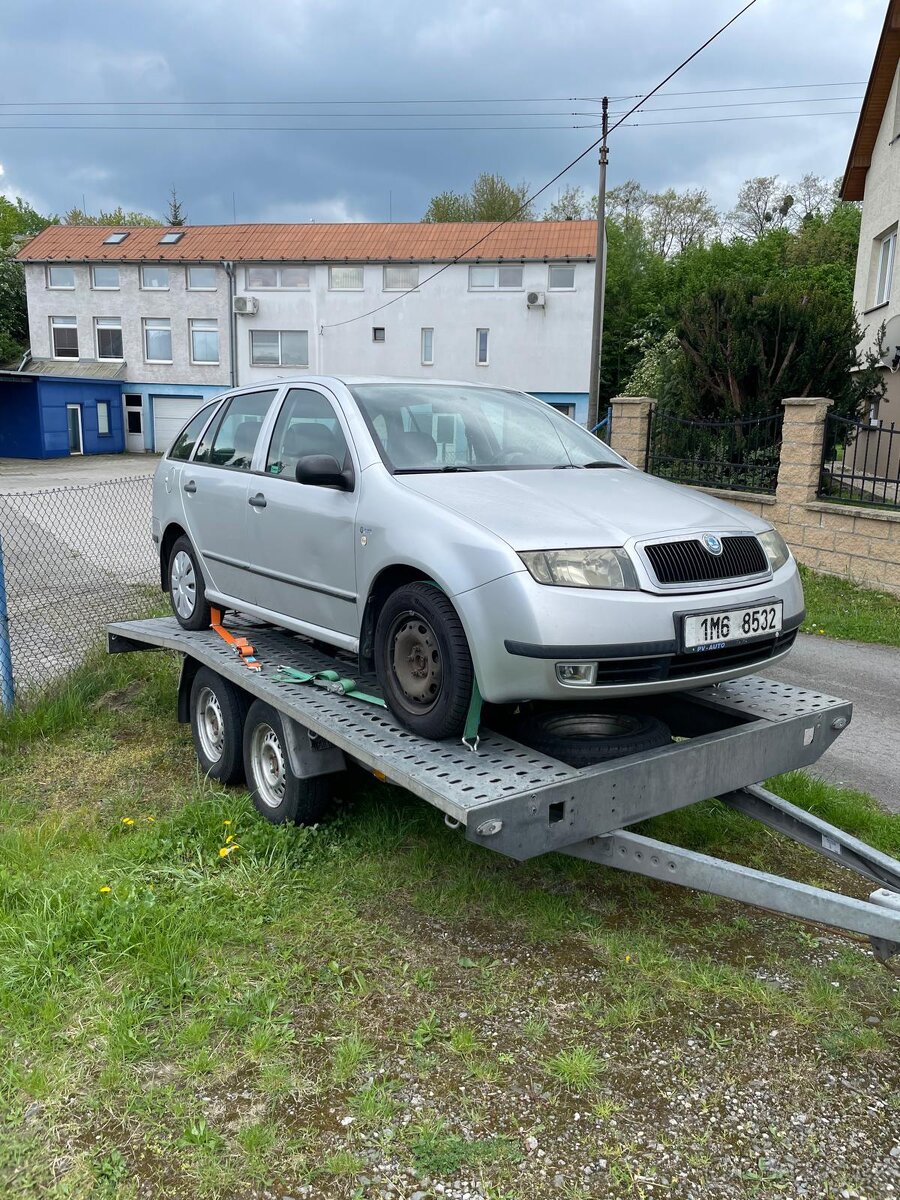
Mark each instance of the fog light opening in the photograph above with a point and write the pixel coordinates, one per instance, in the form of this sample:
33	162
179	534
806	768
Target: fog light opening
577	674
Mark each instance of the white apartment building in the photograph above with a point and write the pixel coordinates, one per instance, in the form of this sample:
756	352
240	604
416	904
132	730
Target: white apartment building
180	314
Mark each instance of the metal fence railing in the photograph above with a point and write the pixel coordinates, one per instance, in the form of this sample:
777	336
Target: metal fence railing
860	463
603	428
73	558
740	454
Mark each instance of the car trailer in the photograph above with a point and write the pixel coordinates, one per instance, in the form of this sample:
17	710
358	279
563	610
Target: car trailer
511	799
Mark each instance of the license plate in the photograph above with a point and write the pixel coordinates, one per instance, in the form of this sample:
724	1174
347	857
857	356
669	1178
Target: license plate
709	630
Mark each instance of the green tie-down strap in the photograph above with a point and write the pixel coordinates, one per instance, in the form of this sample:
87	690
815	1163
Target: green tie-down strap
473	718
332	682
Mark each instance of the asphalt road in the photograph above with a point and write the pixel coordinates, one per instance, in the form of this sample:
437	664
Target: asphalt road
866	754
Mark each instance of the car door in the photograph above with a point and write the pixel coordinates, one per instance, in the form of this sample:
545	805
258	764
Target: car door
303	536
215	487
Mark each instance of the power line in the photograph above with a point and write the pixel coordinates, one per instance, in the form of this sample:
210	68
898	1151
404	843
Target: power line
738	104
550	182
847	112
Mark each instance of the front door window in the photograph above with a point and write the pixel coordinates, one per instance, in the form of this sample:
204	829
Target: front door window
73	415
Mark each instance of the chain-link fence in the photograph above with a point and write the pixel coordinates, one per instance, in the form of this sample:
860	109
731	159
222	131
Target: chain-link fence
73	558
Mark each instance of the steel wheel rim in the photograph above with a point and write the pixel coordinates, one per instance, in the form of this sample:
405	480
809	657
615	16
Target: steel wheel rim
268	766
416	661
183	584
589	725
210	724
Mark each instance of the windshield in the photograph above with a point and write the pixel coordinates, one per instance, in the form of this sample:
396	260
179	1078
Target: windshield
451	427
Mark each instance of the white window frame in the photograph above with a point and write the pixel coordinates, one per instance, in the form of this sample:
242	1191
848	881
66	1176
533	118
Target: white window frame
427	360
64	323
204	325
279	285
157	323
887	253
108	323
496	286
347	267
194	287
479	361
103	405
152	287
281	362
105	287
561	266
399	287
60	287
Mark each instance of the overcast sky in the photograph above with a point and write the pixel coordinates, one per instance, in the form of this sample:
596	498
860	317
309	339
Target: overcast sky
197	52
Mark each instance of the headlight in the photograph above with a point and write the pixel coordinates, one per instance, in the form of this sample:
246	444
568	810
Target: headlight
582	568
775	547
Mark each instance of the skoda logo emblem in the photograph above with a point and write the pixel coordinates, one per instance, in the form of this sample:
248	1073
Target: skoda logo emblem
712	543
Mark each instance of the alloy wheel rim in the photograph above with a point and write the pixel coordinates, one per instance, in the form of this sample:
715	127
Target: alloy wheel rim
416	661
267	761
210	724
183	584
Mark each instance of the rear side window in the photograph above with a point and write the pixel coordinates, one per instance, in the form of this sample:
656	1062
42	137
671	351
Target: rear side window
307	424
184	443
230	441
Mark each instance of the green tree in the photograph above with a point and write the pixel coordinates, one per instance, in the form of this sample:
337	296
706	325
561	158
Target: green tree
18	222
572	204
176	214
491	198
116	216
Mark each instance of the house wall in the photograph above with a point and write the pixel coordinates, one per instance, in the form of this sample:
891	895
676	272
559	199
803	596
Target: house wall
20	421
55	394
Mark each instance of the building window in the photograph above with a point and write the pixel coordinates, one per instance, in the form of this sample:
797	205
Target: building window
561	277
886	252
113	239
377	333
155	277
64	337
481	347
279	347
103	418
169	239
427	347
400	279
109	337
61	277
491	278
204	341
105	279
201	279
289	278
158	339
345	279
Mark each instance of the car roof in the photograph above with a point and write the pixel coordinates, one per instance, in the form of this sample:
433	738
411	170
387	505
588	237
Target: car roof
362	380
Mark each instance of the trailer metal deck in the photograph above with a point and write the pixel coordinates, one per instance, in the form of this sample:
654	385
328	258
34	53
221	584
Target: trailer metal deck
512	799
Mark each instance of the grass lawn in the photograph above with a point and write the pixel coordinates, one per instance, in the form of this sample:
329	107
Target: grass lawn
377	1008
837	608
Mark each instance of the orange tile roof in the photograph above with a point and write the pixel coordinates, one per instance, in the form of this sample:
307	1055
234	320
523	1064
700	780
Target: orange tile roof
358	242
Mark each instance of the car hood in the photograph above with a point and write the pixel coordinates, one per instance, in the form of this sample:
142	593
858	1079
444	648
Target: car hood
539	510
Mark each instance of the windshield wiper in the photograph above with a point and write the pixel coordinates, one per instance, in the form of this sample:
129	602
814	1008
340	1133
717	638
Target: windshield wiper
449	469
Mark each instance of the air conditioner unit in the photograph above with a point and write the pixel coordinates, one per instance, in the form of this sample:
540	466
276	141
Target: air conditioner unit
245	304
536	299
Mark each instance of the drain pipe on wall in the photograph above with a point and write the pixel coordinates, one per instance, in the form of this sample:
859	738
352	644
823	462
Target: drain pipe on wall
232	330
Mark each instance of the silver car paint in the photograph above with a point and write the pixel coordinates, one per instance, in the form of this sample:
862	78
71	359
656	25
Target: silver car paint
463	531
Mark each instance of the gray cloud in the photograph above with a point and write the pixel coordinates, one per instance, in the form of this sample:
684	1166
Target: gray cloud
334	50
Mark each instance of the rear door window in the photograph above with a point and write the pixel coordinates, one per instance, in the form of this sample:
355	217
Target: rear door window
186	440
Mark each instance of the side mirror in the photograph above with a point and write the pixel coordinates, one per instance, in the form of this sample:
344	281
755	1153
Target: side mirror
321	470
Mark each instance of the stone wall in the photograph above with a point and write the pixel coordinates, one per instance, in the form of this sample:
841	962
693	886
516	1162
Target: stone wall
855	542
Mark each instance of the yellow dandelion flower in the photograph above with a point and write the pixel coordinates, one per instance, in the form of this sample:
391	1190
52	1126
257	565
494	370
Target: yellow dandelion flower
226	850
628	958
128	820
105	889
229	839
226	822
150	820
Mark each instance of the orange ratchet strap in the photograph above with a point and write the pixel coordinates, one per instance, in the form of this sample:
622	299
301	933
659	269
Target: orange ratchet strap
239	645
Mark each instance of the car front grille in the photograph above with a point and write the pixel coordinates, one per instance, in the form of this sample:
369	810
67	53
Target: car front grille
682	666
689	562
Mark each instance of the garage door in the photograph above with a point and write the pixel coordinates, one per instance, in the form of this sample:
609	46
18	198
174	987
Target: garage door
169	414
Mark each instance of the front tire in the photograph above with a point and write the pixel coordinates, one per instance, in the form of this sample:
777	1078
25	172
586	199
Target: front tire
278	794
217	711
423	662
187	587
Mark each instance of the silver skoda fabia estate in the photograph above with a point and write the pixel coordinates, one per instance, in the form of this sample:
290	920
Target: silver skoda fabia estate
449	534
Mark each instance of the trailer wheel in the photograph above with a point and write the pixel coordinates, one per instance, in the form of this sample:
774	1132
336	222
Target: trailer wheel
279	795
187	587
423	662
580	737
217	711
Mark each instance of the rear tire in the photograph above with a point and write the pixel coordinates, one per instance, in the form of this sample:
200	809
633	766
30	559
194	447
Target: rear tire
423	662
278	794
217	712
187	587
581	737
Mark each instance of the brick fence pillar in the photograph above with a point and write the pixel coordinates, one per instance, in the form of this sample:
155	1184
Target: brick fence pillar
801	449
630	423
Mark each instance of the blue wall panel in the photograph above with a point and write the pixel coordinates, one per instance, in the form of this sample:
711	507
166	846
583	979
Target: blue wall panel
56	394
20	422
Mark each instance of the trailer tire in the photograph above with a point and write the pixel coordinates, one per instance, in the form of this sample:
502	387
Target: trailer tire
582	737
187	587
277	793
422	661
217	712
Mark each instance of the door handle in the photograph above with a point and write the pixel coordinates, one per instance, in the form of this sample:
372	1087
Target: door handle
190	487
258	501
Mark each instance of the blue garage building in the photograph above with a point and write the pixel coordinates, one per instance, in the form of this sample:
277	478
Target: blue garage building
51	409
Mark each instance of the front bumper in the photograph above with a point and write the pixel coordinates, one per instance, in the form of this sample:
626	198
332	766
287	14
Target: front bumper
518	630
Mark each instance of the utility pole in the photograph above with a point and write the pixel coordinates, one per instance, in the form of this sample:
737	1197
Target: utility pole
599	280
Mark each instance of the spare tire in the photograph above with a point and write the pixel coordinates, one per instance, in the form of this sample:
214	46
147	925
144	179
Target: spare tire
582	737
